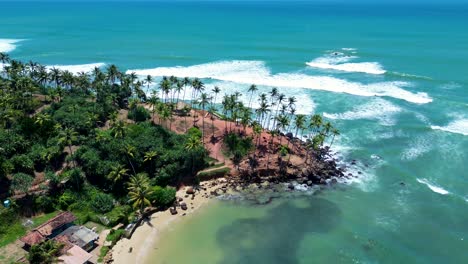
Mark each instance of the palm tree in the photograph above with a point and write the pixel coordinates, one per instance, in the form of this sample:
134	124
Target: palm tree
4	57
117	173
112	73
165	86
130	154
119	129
148	81
335	132
193	143
204	100
252	89
68	136
179	87
153	101
139	191
150	156
55	75
198	87
299	123
216	91
41	119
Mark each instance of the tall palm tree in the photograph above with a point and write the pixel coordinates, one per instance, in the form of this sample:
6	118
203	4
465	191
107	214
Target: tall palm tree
216	91
150	156
179	88
148	81
198	87
204	100
55	75
335	132
139	191
193	143
252	89
68	136
299	123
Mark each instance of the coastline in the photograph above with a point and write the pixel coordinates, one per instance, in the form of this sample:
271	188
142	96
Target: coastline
146	236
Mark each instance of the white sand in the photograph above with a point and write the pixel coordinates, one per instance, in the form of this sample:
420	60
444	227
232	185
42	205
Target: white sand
146	236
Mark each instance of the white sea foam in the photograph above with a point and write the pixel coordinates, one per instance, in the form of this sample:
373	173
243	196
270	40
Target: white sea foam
348	49
340	62
77	68
377	109
8	45
459	126
419	147
256	72
433	187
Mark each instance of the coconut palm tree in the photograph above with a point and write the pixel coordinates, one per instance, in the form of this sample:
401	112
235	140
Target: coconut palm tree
179	88
4	57
68	136
119	129
148	81
139	191
299	123
55	75
204	100
193	143
335	132
130	153
41	119
252	89
198	87
150	156
112	73
165	86
216	91
117	173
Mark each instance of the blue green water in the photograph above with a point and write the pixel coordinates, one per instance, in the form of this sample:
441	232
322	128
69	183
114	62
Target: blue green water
397	89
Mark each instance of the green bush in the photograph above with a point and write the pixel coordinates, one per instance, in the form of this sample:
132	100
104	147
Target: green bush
237	145
102	203
139	114
193	131
162	196
21	182
45	203
65	200
115	235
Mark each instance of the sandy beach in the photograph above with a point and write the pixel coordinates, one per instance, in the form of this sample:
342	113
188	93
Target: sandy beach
146	236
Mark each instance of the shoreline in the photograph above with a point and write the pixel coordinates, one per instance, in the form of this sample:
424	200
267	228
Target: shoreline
146	236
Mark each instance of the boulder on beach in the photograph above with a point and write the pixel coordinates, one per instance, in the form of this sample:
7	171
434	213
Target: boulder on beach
183	206
173	211
190	190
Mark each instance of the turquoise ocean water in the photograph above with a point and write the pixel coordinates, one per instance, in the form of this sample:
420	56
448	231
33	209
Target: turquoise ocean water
394	80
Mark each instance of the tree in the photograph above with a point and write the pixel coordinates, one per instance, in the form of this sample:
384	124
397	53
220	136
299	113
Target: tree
148	82
150	156
117	173
335	132
299	123
252	89
119	129
4	57
68	137
45	253
204	100
139	191
216	91
193	144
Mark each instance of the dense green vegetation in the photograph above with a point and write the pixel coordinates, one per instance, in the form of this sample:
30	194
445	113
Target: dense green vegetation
65	146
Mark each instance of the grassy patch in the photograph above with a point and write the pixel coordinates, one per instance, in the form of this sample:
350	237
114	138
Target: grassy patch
103	253
98	227
16	229
208	175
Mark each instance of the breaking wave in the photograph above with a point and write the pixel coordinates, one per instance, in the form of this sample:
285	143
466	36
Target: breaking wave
433	187
256	72
378	109
459	126
77	68
341	62
8	45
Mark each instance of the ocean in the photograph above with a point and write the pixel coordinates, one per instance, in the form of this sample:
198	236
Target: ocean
392	78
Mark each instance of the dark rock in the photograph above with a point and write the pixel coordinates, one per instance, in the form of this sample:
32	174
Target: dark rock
359	172
289	135
183	206
173	211
334	181
190	191
291	186
309	183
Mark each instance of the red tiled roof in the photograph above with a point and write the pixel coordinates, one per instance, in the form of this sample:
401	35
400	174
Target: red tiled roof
59	220
39	234
32	238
